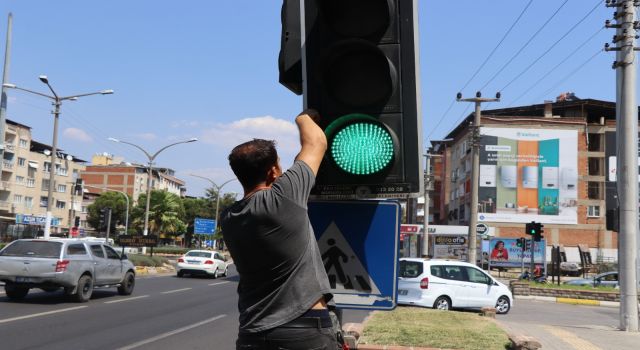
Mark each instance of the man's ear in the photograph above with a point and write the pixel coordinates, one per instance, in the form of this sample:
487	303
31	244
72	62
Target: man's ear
272	175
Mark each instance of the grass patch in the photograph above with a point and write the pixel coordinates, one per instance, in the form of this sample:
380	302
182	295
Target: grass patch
572	287
145	260
411	326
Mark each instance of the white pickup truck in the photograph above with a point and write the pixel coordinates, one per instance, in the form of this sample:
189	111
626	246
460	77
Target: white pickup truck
77	266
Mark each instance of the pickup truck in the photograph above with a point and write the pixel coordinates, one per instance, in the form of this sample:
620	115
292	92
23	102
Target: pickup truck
77	266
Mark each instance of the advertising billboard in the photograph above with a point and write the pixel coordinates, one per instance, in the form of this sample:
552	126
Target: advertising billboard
528	175
450	247
504	252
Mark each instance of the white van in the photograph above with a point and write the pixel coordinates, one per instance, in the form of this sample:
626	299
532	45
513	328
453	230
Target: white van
445	284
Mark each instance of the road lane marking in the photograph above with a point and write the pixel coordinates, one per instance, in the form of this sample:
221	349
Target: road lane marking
173	332
571	339
127	299
217	283
7	320
176	290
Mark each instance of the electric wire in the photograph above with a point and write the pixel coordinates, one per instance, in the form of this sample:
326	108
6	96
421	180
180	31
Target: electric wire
598	3
556	66
524	46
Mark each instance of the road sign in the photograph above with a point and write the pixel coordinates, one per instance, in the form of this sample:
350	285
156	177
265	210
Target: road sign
482	229
204	226
358	241
137	241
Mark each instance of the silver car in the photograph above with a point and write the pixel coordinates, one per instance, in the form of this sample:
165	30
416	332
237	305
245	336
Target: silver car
77	266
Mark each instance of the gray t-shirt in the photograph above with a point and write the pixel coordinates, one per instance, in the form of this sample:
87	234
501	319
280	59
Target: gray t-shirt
275	252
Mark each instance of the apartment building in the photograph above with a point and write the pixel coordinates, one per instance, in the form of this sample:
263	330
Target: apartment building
552	163
24	185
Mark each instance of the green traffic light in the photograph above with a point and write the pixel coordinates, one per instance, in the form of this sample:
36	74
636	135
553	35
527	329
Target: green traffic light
360	145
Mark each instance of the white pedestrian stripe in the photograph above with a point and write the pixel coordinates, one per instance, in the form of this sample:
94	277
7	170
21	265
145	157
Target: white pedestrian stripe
168	334
346	272
6	320
176	290
127	299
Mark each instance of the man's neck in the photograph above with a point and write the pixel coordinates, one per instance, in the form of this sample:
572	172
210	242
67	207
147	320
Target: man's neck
260	187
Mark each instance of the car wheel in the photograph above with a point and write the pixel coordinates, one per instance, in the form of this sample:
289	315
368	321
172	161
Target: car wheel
85	289
215	273
129	281
15	292
503	305
226	271
180	273
442	303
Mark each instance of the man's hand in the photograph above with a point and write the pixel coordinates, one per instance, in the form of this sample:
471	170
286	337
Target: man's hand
312	113
312	139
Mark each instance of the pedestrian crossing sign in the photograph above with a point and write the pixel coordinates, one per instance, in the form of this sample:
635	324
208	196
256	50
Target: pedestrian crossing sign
358	241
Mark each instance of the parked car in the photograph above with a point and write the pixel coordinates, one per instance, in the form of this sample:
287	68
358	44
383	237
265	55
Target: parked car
77	266
445	284
202	262
608	279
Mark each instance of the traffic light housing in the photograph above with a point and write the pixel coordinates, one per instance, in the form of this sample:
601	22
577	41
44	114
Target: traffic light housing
76	222
105	213
522	243
360	62
535	230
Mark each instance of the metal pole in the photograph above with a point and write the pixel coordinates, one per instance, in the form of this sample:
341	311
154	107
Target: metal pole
627	159
427	187
52	172
146	211
5	79
106	240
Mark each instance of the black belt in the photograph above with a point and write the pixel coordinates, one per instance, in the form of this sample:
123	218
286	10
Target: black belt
309	322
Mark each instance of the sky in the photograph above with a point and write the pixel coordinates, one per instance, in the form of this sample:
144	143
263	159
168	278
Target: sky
208	69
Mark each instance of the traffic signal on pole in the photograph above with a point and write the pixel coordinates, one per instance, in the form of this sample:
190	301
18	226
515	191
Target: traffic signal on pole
522	243
360	62
535	230
105	213
77	222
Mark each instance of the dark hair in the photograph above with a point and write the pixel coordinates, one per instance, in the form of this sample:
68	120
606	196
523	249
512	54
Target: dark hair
498	243
252	160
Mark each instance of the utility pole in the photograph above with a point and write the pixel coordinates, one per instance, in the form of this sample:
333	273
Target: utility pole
475	171
427	188
627	156
5	79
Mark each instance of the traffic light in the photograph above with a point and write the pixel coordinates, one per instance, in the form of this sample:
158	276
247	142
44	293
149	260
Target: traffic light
105	213
361	75
535	230
522	243
77	222
290	58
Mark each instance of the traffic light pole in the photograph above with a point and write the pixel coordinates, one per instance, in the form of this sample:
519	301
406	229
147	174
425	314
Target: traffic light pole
475	172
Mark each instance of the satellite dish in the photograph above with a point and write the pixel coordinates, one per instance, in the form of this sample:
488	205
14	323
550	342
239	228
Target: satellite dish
47	152
69	157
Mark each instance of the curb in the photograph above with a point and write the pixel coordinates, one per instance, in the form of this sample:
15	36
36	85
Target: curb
571	301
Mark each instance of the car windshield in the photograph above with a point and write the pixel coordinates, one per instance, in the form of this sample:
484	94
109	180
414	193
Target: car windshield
410	269
199	254
37	249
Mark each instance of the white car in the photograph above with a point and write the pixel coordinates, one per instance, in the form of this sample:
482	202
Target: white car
445	284
202	262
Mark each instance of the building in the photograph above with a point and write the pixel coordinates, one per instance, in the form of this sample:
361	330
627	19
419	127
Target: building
552	163
26	172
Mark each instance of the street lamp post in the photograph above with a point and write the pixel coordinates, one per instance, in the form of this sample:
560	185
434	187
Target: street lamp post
57	102
151	158
218	189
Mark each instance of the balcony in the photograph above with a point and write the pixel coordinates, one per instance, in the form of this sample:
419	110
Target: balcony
10	147
7	165
5	205
5	186
11	129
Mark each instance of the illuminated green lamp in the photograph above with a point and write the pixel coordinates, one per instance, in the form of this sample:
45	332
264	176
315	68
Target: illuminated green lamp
360	145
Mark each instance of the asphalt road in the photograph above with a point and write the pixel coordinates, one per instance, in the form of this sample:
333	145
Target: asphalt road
163	313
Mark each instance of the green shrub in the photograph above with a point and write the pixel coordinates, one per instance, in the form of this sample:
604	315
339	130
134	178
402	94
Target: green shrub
170	250
145	260
2	245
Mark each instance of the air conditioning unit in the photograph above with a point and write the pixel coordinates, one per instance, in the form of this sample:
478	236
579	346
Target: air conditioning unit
487	175
508	176
530	177
550	177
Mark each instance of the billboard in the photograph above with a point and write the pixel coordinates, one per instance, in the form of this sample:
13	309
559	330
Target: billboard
528	175
504	252
450	247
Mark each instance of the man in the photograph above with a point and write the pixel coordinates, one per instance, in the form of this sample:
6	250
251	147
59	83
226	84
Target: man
283	289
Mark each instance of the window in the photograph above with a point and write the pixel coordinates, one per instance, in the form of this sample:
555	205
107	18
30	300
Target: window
96	250
595	142
19	180
45	184
31	182
594	190
23	143
596	166
43	201
456	273
477	276
22	162
62	188
17	198
410	269
76	249
593	211
111	254
60	204
84	209
47	167
28	202
60	170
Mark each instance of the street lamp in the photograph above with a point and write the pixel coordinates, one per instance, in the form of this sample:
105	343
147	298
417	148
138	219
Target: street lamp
218	189
57	102
151	158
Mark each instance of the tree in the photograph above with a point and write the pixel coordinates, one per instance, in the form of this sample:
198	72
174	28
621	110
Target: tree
113	200
165	213
196	208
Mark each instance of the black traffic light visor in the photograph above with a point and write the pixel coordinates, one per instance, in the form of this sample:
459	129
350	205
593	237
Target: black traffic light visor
358	18
358	74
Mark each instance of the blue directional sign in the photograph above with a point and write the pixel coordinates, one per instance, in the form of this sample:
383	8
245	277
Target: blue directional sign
204	226
358	241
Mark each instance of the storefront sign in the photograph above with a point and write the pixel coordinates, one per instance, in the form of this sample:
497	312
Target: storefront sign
35	220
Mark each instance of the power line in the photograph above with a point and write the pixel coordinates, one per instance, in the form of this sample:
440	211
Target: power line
524	46
556	66
553	45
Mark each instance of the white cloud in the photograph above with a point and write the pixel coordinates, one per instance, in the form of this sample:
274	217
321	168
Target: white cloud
148	136
226	136
77	134
185	124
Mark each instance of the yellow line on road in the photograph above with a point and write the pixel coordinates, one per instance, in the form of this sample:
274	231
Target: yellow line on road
7	320
127	299
176	290
571	339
